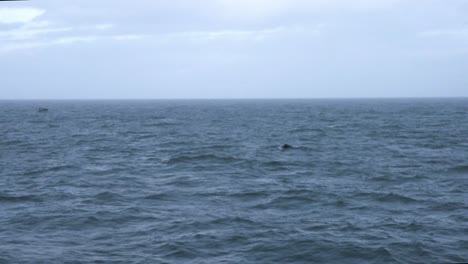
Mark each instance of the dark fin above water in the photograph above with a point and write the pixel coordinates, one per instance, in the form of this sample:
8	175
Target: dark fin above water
286	146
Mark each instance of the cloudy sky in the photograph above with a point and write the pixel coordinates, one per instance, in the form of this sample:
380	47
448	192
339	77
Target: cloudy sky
117	49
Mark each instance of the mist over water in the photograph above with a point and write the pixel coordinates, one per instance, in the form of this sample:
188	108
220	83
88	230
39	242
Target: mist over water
365	181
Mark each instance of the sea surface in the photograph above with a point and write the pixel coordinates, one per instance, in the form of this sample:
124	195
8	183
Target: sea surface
205	181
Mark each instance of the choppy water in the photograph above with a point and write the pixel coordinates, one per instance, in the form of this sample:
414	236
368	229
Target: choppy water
368	181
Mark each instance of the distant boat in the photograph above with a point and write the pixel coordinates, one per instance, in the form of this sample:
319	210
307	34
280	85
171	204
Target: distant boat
42	110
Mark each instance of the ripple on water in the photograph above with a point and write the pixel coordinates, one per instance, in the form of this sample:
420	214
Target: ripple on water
367	181
20	198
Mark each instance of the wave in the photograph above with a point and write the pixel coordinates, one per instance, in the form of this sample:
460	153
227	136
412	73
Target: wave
107	196
19	199
233	220
211	185
389	197
289	202
309	130
159	196
199	158
249	195
163	123
448	206
396	198
147	136
459	170
11	143
48	170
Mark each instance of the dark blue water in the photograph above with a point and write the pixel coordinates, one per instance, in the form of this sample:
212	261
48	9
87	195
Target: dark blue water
367	181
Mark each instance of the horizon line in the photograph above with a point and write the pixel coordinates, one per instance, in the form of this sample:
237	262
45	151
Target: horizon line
225	99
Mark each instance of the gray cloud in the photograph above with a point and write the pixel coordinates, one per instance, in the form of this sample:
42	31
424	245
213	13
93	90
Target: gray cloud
234	48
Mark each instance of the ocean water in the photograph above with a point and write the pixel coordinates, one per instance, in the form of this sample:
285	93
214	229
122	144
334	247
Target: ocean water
367	181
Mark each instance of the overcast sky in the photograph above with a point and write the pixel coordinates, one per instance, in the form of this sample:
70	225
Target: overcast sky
132	49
